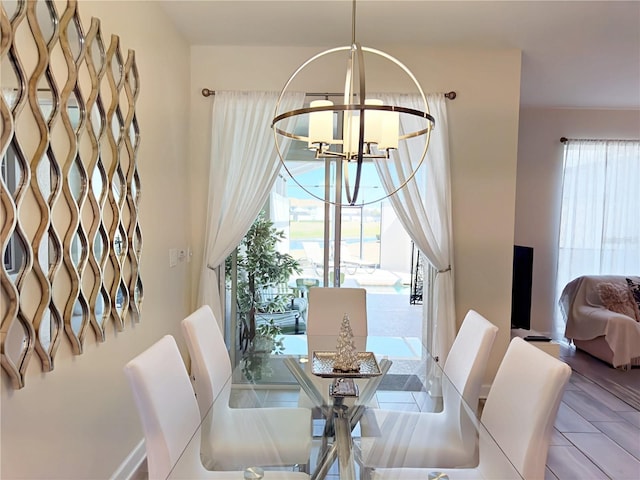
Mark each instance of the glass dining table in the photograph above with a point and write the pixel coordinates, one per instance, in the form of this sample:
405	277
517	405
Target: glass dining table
352	412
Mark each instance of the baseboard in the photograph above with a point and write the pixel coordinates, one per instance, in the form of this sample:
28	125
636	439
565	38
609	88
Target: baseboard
129	467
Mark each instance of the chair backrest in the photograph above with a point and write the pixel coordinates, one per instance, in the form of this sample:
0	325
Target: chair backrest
327	306
464	372
467	359
210	362
522	406
166	404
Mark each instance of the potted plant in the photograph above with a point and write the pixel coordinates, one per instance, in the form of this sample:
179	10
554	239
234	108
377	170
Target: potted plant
260	265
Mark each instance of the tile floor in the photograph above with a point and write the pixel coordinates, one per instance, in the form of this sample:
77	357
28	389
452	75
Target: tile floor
596	435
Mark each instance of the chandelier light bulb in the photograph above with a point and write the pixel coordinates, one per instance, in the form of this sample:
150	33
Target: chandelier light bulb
320	125
389	132
373	122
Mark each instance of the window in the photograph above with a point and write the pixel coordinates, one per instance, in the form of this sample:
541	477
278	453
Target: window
360	226
600	212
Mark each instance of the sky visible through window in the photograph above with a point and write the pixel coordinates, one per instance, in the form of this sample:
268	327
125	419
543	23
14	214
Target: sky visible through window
313	180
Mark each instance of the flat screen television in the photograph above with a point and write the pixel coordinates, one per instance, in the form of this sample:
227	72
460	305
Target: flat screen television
521	288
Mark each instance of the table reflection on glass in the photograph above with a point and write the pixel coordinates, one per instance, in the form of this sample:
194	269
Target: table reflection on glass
348	430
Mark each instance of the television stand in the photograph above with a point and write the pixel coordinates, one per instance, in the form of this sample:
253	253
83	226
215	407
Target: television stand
537	339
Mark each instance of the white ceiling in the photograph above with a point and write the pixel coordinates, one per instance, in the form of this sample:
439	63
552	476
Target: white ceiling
582	54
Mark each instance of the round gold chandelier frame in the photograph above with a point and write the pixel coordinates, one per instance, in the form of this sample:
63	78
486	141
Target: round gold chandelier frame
356	55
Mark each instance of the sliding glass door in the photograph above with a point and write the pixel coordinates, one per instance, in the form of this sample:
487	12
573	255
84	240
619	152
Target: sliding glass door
335	245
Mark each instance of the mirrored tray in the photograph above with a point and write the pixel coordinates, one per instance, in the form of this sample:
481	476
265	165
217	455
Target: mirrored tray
322	365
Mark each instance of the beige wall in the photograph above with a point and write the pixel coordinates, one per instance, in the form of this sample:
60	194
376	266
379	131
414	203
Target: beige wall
539	186
483	138
79	421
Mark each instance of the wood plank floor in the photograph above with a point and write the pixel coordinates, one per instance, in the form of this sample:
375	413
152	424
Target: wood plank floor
596	435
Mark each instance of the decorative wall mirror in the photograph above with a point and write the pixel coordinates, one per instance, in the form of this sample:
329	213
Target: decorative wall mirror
70	189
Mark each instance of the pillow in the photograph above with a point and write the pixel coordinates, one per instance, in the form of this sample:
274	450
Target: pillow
617	298
634	289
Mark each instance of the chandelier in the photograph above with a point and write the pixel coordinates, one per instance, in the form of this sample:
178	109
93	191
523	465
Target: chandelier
368	128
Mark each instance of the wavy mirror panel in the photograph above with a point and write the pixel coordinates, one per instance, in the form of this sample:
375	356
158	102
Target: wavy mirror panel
133	184
16	331
42	19
71	240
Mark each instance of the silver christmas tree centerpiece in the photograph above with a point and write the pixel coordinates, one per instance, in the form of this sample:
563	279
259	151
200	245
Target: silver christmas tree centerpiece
346	359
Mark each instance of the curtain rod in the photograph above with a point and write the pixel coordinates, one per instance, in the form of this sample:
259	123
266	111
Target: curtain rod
565	139
208	93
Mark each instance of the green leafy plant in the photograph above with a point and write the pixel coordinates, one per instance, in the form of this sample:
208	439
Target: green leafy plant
260	265
269	332
276	304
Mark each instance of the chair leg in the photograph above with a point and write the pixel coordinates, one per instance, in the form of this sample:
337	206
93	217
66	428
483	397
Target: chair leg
365	472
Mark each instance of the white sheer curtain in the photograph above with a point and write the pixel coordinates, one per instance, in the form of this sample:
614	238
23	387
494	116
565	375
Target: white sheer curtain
600	213
244	165
424	208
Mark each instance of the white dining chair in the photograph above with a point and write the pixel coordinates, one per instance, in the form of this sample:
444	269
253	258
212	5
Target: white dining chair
518	416
236	437
327	306
407	438
170	419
